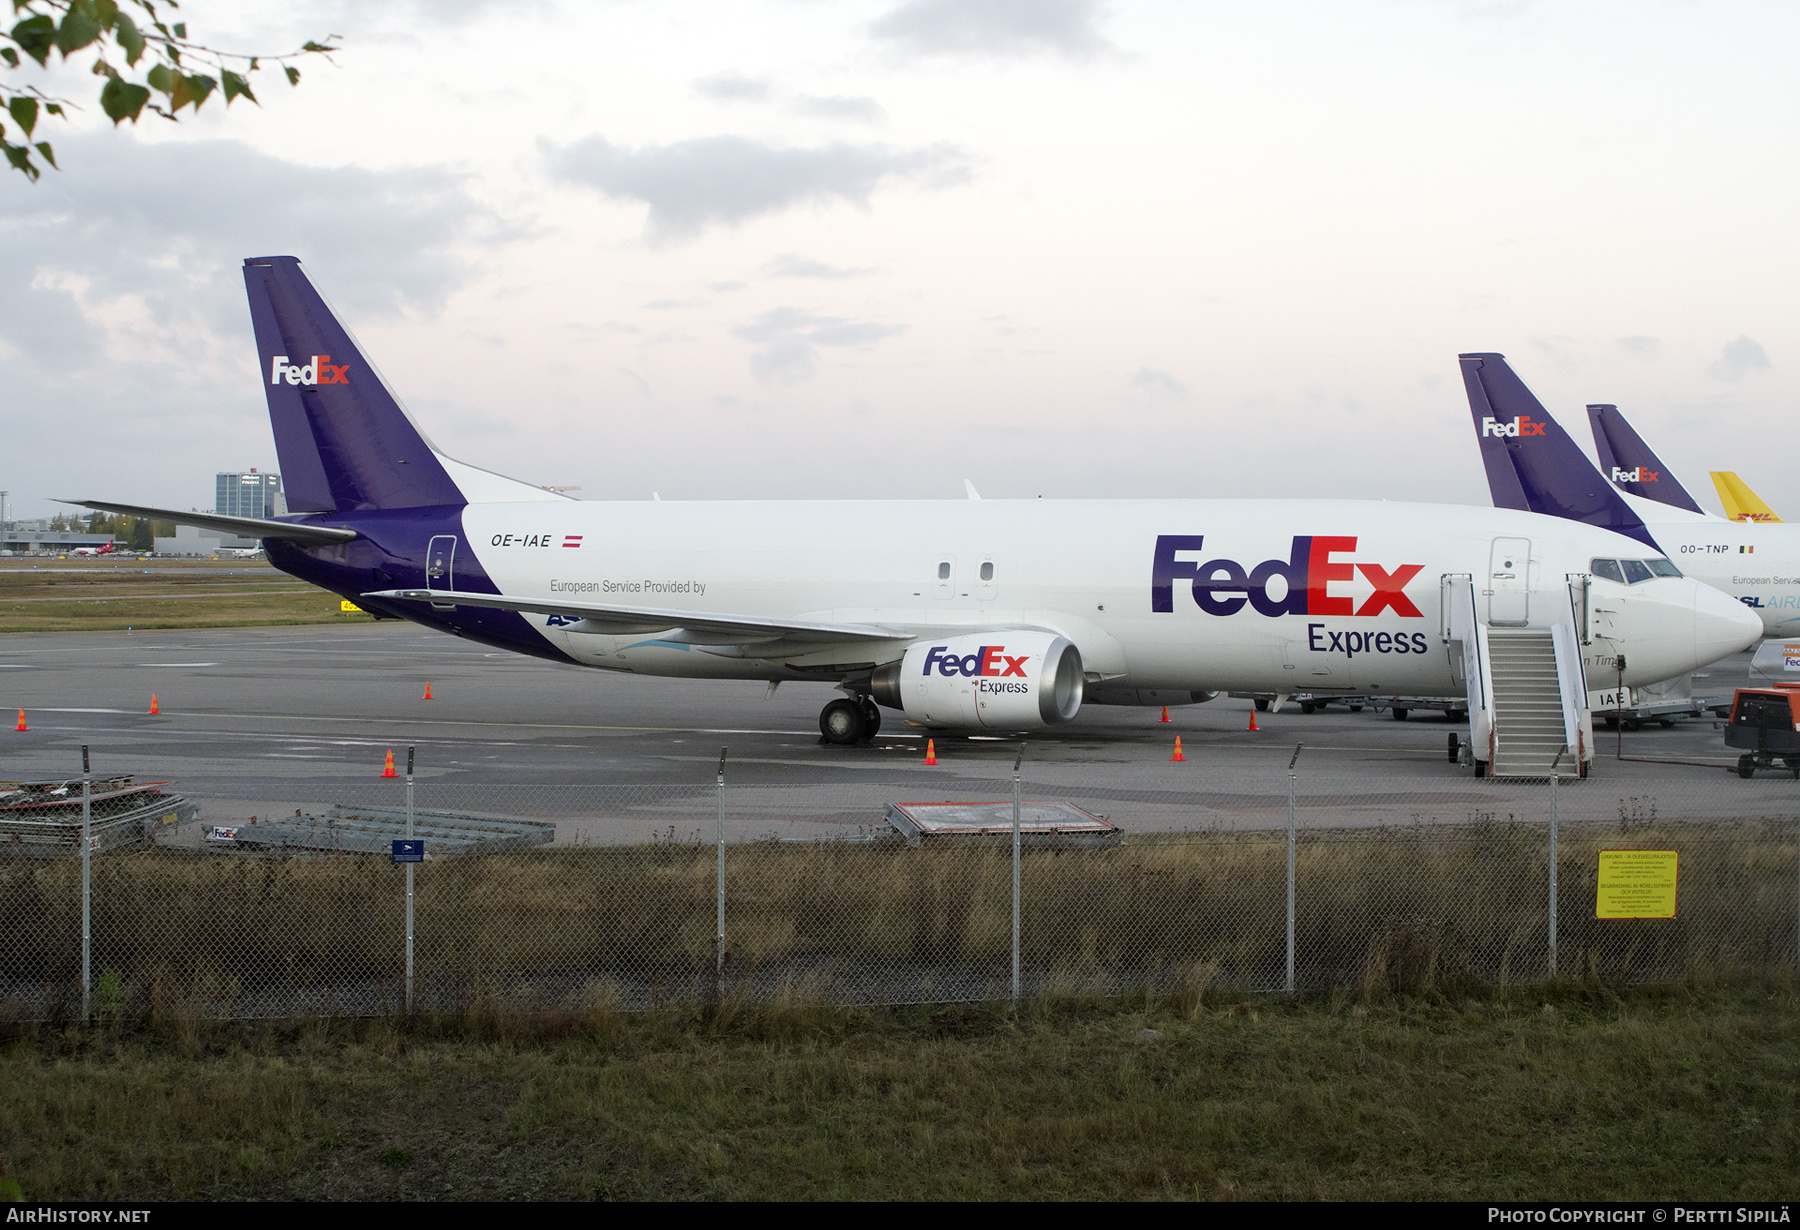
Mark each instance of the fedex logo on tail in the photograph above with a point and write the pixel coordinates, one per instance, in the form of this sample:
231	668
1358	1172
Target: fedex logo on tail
1521	425
319	371
1225	587
986	660
1637	475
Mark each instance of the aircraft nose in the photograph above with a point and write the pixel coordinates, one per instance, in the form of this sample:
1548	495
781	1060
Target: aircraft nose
1722	625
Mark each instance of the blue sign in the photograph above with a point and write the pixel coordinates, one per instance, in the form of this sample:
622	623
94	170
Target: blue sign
409	851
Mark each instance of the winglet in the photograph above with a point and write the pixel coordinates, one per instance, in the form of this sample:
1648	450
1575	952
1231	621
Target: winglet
1629	463
1741	503
1531	462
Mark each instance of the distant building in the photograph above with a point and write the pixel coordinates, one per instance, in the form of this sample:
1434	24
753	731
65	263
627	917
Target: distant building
249	495
26	538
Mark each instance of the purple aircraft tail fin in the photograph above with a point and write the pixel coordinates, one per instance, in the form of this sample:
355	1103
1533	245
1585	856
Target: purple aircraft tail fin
1629	463
1532	464
344	443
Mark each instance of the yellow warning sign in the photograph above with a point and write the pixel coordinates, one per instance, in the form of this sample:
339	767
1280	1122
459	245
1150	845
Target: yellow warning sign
1636	884
347	605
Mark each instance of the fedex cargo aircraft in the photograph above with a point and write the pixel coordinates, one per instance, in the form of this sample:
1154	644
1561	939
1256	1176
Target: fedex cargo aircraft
1533	465
978	614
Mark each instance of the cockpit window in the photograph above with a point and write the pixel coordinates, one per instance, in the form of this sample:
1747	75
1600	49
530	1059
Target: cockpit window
1608	568
1635	570
1663	568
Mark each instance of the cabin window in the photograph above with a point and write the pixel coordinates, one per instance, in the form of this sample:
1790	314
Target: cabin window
1635	570
1663	568
944	571
1608	568
987	570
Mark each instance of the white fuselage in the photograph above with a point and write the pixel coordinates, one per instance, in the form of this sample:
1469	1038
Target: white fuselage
1370	621
1759	565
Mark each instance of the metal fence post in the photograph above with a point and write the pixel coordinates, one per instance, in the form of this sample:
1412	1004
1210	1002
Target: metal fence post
1015	870
409	883
1555	814
87	885
719	964
1292	761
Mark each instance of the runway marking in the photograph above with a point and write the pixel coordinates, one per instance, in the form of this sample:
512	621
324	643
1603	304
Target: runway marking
177	663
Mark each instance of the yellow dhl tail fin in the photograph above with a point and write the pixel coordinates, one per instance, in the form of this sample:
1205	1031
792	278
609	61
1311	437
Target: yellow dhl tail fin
1741	503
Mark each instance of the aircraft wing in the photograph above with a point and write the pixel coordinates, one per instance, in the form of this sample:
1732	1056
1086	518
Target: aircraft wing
695	627
245	527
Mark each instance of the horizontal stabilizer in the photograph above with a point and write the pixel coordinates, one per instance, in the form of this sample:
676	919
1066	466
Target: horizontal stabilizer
1741	503
244	527
698	627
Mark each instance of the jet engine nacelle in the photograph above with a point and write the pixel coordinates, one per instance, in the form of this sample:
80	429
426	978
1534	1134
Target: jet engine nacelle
993	680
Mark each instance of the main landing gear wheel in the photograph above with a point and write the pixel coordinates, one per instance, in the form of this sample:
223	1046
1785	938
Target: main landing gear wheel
843	722
1399	714
871	717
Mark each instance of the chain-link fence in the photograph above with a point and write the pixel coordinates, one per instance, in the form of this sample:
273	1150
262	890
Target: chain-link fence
565	898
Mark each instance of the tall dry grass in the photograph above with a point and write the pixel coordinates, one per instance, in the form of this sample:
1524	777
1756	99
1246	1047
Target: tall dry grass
600	929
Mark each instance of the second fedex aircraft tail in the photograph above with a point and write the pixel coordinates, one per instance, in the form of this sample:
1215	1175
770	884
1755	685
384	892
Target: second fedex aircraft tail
1628	461
1531	462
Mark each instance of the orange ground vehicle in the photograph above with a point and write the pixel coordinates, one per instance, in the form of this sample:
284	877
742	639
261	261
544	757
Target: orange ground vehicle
1766	723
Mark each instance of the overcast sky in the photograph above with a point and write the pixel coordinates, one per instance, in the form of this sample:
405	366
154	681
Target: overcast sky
823	250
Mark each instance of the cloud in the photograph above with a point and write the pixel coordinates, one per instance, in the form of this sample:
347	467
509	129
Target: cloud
839	107
1649	347
733	87
1738	359
728	180
787	265
995	27
1158	383
788	339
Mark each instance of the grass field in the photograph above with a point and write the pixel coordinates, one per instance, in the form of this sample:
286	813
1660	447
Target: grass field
77	595
1691	1093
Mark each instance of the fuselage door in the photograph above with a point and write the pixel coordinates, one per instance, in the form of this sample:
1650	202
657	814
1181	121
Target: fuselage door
440	565
944	579
1509	583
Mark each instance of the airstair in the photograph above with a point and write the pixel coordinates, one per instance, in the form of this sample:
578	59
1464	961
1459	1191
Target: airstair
1526	688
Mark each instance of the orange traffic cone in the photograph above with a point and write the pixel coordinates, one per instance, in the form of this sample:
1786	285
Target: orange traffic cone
1252	725
154	707
21	725
930	750
1165	716
389	771
428	689
1178	756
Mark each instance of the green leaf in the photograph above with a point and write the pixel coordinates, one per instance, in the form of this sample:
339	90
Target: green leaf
24	112
309	45
43	147
181	29
131	39
161	78
107	11
11	1191
77	31
36	37
191	88
122	101
53	108
10	56
20	157
293	74
234	86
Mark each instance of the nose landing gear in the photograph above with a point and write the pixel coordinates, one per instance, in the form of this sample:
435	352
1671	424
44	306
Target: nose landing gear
846	722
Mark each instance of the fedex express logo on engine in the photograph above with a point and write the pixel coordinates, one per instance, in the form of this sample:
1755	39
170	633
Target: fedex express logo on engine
319	371
1225	587
1638	475
1521	425
986	660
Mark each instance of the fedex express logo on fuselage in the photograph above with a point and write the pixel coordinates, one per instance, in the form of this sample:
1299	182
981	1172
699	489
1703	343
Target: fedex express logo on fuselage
1225	587
319	371
1637	475
1521	425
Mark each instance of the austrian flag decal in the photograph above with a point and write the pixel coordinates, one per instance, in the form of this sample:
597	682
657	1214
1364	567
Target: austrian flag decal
571	540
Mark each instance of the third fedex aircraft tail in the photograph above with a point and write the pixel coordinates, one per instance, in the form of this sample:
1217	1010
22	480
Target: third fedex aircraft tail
1628	461
1531	462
